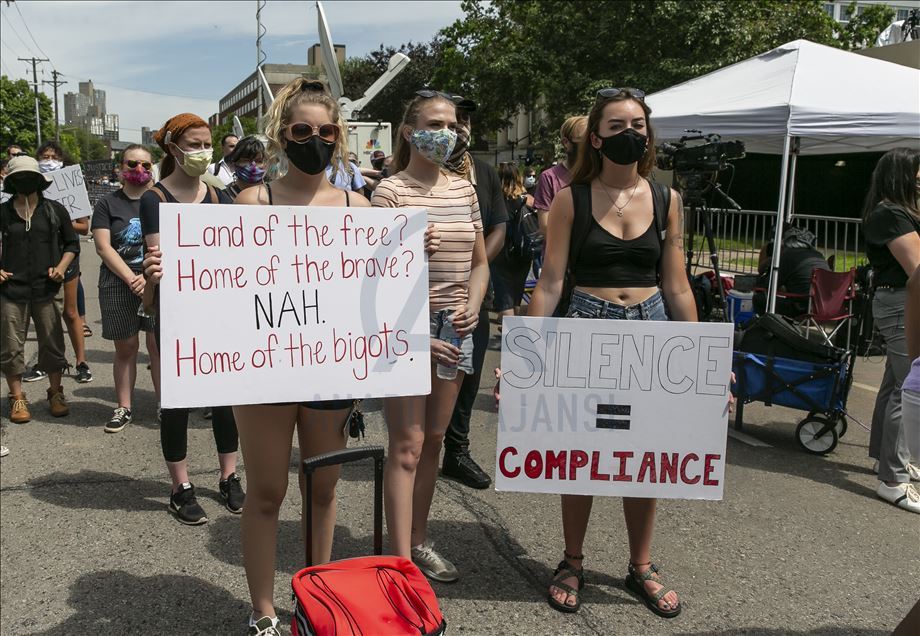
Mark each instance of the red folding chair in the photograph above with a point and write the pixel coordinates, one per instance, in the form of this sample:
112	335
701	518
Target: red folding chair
830	302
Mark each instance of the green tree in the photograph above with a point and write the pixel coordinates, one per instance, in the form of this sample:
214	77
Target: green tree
514	54
83	146
71	146
17	115
863	27
226	128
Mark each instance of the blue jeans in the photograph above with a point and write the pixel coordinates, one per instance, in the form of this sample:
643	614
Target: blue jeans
587	306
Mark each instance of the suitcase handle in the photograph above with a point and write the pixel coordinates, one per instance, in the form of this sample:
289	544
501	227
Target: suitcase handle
335	458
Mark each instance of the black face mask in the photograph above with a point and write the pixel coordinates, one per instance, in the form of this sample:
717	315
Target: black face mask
25	184
624	148
310	157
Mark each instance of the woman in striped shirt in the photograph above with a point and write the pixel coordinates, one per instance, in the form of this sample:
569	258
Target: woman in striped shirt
458	276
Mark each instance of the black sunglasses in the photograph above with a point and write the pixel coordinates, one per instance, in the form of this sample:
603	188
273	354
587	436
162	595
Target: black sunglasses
132	164
428	93
314	85
607	93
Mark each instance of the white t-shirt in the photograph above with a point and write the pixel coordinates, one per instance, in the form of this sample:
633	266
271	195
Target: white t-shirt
224	172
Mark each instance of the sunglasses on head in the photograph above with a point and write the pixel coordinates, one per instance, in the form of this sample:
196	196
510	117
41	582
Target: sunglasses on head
428	93
607	93
300	132
132	164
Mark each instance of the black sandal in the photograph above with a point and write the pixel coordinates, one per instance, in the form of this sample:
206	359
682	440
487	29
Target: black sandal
564	571
635	583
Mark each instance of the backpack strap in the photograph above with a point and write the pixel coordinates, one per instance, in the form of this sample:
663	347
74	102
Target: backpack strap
661	205
155	188
581	221
212	193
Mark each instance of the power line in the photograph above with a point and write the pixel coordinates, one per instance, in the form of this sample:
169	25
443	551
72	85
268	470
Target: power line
9	23
137	90
26	25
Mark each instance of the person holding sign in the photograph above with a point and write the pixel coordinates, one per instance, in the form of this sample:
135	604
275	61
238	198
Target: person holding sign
622	241
51	157
304	126
37	243
458	277
119	242
186	140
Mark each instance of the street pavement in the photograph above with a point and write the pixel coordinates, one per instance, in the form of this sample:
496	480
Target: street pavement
799	545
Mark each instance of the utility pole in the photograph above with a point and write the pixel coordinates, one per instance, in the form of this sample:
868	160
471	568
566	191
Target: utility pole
57	122
260	59
35	62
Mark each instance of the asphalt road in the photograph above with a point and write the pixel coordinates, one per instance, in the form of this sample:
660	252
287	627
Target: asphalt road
799	545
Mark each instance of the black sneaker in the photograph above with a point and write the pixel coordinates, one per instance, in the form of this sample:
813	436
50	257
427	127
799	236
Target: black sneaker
33	375
463	468
120	418
84	375
185	506
231	493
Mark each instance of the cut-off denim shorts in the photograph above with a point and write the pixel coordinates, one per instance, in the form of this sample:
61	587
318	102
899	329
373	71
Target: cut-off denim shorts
438	324
585	305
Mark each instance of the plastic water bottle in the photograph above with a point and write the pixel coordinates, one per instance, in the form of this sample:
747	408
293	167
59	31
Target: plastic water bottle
448	334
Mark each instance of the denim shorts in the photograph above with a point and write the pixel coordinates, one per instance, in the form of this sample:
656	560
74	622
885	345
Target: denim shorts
438	324
585	305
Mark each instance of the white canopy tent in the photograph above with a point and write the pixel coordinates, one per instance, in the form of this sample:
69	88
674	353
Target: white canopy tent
799	98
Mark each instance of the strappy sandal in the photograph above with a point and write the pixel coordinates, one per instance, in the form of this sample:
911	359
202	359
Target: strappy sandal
564	571
635	583
87	332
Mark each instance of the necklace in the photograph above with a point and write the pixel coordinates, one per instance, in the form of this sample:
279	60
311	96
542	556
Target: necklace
614	202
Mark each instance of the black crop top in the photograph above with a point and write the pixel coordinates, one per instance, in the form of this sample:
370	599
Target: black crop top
608	261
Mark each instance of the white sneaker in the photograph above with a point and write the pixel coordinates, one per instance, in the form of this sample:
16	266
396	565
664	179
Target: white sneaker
875	467
4	451
903	496
265	626
432	564
914	471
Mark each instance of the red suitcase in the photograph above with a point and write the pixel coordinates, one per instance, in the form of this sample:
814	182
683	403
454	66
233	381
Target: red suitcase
364	596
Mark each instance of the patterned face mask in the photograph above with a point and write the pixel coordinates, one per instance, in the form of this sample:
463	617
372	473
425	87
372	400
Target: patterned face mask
434	145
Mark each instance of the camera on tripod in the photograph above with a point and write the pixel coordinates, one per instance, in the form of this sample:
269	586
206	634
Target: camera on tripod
712	155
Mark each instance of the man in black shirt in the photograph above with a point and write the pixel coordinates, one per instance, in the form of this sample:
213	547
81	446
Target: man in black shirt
38	243
797	261
458	464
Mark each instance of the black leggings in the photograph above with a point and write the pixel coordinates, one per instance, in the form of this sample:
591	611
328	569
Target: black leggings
174	432
174	427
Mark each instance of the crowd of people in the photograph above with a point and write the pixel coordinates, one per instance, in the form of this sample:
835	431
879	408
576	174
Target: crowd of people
594	218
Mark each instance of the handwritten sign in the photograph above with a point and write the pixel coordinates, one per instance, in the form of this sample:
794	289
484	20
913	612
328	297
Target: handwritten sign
265	304
68	189
614	407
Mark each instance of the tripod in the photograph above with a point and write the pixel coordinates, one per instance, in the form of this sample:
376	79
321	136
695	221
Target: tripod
694	192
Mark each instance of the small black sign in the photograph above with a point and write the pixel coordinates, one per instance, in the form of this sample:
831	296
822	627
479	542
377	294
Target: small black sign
606	414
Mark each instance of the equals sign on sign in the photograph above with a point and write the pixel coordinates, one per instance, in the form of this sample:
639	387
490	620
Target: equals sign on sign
607	416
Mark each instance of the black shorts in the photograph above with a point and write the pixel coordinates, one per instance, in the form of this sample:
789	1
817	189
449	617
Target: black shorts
321	405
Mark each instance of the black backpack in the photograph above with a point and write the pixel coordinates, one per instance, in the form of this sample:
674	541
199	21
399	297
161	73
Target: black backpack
522	240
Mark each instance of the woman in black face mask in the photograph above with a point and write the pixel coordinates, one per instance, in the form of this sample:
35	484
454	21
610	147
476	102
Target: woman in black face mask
304	129
607	226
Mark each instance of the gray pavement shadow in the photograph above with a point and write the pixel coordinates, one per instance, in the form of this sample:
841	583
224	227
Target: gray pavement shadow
787	458
766	631
116	492
106	393
116	602
82	414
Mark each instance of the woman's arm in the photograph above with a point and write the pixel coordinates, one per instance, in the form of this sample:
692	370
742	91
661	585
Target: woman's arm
555	263
102	239
674	283
69	239
81	226
906	249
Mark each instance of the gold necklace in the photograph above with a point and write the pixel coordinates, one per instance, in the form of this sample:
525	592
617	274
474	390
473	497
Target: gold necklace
613	201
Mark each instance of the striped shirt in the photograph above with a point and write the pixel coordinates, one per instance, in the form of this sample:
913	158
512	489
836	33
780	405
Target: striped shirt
454	210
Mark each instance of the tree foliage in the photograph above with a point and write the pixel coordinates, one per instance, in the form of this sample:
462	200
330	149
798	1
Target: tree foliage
514	54
17	115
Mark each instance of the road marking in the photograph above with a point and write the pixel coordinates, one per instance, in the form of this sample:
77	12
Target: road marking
744	438
865	387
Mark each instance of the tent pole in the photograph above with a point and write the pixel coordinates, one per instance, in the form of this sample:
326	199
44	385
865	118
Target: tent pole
778	230
793	161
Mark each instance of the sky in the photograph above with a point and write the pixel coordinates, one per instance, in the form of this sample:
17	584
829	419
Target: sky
156	59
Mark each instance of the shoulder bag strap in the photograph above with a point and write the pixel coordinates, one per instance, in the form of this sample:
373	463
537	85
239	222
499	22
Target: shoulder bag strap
581	221
661	204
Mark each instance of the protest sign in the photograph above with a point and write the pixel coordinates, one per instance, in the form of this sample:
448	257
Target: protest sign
68	189
265	304
614	407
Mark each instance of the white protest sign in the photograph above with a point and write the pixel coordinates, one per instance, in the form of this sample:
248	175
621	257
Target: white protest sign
265	304
68	189
614	407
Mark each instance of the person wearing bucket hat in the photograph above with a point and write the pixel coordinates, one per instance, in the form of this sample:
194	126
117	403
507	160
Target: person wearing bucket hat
38	243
